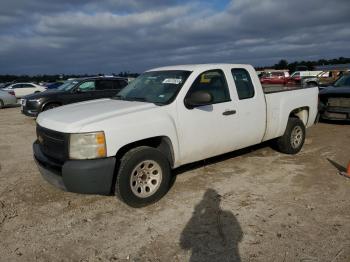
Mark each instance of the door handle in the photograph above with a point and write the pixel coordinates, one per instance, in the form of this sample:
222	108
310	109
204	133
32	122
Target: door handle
229	112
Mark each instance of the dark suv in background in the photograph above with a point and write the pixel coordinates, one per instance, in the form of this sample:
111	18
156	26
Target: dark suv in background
72	91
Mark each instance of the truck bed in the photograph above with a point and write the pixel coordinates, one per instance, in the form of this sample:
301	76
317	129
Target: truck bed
280	103
279	88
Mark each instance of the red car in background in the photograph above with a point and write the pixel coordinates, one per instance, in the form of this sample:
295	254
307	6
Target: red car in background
274	78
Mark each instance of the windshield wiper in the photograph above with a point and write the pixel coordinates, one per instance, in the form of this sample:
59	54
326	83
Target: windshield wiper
140	99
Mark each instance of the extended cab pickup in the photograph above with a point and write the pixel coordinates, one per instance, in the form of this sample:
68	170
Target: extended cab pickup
166	118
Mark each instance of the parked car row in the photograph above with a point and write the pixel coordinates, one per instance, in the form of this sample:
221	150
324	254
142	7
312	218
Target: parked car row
325	78
307	78
23	89
72	91
283	78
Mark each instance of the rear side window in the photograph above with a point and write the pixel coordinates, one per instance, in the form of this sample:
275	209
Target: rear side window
244	85
122	83
214	82
111	84
105	85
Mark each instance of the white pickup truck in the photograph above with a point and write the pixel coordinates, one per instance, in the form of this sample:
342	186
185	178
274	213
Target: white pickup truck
166	118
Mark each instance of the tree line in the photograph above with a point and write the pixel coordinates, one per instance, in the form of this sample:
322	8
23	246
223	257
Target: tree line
53	78
283	64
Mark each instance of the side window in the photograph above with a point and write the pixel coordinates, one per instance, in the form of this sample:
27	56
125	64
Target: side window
17	86
122	83
214	82
105	85
244	85
87	86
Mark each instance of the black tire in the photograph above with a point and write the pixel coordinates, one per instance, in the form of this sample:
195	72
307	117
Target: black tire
293	138
1	104
312	84
50	106
125	188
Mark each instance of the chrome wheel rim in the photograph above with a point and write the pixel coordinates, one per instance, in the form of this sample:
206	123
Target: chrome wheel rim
296	137
146	178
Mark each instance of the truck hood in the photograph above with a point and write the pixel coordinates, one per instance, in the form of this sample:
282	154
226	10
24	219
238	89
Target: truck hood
72	118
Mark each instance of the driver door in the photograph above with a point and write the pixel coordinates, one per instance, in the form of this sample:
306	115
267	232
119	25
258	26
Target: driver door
205	129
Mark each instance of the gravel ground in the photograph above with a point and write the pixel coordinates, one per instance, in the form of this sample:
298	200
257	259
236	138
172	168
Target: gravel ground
251	205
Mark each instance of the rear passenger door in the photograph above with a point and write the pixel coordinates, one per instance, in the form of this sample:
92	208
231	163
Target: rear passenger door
249	102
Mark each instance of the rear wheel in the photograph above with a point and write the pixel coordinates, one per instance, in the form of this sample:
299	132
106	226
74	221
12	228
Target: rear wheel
293	138
143	177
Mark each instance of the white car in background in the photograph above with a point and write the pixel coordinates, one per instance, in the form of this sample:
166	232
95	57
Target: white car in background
23	89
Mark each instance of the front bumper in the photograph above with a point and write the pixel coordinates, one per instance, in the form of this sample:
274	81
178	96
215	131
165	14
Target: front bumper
27	112
30	108
80	176
336	113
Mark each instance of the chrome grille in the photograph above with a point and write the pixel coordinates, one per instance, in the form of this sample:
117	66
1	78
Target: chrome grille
52	143
339	102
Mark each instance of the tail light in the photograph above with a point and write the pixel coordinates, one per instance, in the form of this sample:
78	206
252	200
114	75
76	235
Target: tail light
11	93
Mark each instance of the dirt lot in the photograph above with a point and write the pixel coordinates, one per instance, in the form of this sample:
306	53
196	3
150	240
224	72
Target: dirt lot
254	205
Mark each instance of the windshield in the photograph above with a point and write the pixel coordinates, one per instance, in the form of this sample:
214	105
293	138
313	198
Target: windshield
343	81
159	87
295	74
67	85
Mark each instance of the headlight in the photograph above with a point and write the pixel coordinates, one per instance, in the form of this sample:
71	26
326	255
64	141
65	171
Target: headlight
87	145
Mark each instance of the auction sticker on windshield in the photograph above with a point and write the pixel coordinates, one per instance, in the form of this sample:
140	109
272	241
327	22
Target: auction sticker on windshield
174	81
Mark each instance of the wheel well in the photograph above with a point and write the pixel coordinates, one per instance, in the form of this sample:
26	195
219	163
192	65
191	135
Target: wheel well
302	113
162	143
312	82
50	103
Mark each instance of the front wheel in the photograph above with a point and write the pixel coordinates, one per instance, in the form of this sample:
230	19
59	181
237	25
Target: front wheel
293	138
143	177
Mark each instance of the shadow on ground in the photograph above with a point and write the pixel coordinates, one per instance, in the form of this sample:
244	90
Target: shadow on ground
336	165
212	234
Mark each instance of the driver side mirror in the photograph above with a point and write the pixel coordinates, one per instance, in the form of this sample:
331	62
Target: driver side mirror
198	98
78	90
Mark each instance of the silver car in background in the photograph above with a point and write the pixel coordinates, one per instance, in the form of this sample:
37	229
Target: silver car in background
7	98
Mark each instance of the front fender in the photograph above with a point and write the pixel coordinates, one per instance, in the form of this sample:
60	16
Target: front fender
126	129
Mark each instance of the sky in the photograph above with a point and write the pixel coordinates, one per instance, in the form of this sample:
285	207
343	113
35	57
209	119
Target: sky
110	36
